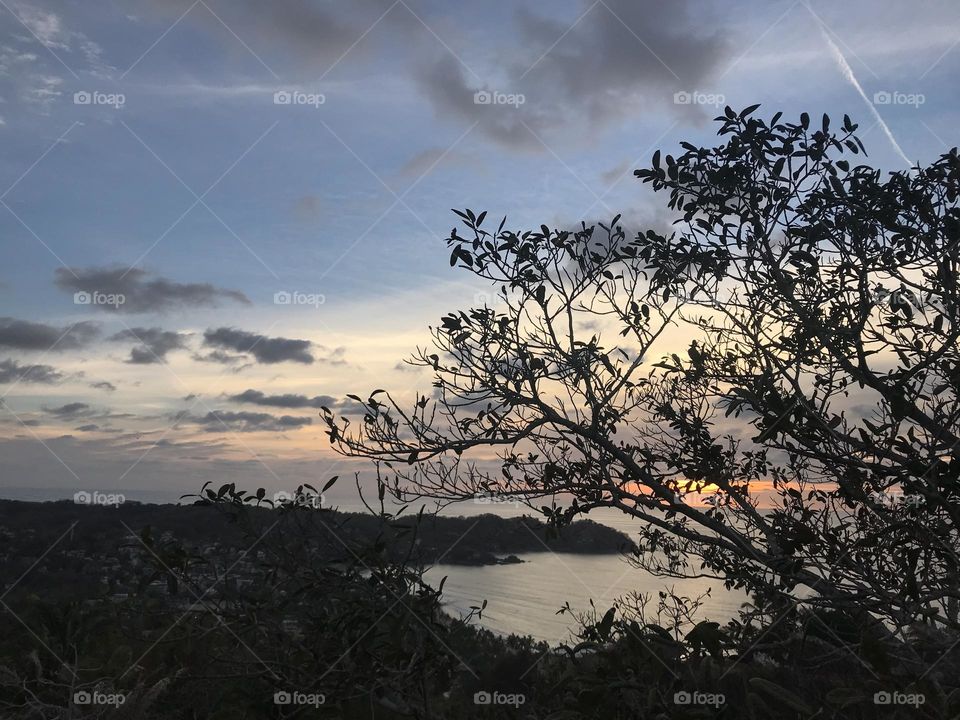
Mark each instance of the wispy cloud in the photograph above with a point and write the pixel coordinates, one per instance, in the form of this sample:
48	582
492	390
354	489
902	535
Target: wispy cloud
852	79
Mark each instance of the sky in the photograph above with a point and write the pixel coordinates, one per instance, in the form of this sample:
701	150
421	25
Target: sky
218	216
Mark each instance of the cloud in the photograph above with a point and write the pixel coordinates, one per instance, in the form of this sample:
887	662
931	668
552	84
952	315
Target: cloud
141	293
619	56
88	428
70	410
154	344
223	358
307	34
266	350
847	72
336	356
289	400
25	335
622	48
103	385
45	26
446	86
225	420
13	372
13	60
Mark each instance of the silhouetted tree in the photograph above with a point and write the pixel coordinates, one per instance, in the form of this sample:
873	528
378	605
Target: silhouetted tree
812	299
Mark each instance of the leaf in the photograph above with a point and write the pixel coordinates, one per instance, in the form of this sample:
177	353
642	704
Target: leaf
330	483
605	625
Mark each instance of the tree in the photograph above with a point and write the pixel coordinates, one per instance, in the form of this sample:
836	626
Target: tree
817	306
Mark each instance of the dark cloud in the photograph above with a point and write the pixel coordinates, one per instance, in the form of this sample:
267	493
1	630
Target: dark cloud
103	385
225	420
88	428
255	397
140	292
446	86
625	47
221	357
11	372
70	410
620	56
25	335
266	350
154	344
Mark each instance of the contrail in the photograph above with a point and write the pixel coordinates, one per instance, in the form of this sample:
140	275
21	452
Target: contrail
848	74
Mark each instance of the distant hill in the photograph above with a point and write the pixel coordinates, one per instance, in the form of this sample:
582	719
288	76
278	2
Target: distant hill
30	527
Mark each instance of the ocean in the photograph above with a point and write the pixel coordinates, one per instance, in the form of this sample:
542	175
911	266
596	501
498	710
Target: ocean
524	598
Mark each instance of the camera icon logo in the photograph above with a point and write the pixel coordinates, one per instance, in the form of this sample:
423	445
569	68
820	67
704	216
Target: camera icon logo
82	697
882	698
482	97
282	697
482	698
682	698
82	98
882	98
82	298
682	98
282	298
82	498
282	97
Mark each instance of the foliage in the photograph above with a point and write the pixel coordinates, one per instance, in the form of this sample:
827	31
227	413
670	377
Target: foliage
820	300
